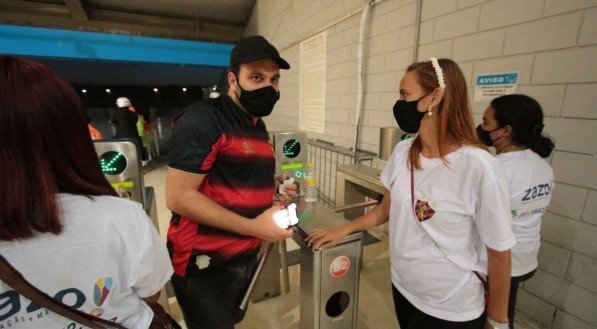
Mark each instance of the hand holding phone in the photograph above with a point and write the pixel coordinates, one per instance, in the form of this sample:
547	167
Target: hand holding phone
287	217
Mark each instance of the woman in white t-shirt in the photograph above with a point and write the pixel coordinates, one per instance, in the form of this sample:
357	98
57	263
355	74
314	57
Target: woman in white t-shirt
446	202
513	125
61	224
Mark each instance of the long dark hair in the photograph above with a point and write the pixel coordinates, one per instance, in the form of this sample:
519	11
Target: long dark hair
45	149
525	116
455	120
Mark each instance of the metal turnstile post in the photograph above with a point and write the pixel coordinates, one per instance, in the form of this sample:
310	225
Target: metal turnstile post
329	279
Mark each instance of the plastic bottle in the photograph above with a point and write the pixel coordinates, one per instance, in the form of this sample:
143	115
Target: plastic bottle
310	183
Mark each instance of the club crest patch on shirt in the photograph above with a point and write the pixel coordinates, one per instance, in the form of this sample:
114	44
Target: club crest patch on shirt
423	210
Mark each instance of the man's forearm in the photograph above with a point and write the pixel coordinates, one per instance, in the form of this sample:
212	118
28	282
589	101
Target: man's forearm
499	284
197	207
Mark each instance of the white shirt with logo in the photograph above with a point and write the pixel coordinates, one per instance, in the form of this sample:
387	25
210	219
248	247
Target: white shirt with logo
107	258
531	182
461	206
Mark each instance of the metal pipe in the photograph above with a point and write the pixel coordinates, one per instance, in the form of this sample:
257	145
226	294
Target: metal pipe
242	307
417	28
328	26
363	204
360	63
284	264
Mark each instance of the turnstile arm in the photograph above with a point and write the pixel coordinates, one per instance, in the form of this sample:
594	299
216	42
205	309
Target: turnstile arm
242	307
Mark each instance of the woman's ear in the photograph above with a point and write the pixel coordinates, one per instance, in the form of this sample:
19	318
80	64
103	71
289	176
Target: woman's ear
507	130
437	96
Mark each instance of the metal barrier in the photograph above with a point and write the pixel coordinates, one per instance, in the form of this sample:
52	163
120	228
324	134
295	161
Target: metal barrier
119	161
329	279
291	155
327	157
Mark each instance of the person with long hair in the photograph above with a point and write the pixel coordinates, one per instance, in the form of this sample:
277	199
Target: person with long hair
447	205
61	224
513	124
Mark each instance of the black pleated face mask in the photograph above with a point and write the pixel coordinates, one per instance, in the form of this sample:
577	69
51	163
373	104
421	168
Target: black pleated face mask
485	137
259	102
407	115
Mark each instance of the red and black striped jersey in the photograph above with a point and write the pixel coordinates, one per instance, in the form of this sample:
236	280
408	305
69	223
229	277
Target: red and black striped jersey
216	138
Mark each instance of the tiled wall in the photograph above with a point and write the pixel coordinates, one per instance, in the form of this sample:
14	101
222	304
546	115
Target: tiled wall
552	43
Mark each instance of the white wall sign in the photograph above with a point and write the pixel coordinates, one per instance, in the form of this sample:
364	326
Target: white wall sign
490	86
312	84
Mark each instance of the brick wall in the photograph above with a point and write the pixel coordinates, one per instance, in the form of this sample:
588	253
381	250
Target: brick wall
552	43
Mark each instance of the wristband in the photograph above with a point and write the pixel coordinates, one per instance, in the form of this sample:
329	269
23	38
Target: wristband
497	325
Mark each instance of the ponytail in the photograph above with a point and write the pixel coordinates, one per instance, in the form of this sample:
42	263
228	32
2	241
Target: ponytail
525	116
538	143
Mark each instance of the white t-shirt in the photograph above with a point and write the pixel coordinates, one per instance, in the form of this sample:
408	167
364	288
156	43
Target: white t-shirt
463	206
531	182
107	258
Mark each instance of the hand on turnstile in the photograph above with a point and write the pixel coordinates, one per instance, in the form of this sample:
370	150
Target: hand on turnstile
265	227
322	239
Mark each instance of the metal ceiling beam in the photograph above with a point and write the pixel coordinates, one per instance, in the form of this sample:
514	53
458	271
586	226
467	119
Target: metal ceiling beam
31	13
77	9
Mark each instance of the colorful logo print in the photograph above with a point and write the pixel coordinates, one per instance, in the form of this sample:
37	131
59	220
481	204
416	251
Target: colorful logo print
423	211
101	290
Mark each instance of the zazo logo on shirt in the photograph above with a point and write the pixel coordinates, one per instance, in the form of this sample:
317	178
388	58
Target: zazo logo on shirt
539	191
423	210
11	307
340	266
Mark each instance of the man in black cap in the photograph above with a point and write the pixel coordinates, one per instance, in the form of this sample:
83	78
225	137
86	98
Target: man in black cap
220	186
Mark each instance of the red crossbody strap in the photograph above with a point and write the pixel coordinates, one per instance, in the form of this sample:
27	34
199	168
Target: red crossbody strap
412	188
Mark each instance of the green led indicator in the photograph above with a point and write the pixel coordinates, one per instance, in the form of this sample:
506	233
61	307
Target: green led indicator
112	162
292	148
293	165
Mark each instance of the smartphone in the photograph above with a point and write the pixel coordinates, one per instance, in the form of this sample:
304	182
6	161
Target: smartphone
287	217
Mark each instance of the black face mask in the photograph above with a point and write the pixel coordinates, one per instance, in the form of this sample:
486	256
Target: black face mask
259	102
484	136
408	116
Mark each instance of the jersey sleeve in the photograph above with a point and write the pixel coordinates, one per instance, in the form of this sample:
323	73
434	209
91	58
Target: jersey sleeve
194	140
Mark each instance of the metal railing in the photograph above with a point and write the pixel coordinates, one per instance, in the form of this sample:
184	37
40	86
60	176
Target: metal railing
326	157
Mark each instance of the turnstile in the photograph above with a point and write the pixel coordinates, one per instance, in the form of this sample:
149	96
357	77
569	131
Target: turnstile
329	279
120	164
291	151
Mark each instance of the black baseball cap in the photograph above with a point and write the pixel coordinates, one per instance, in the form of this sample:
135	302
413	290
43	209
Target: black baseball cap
254	48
